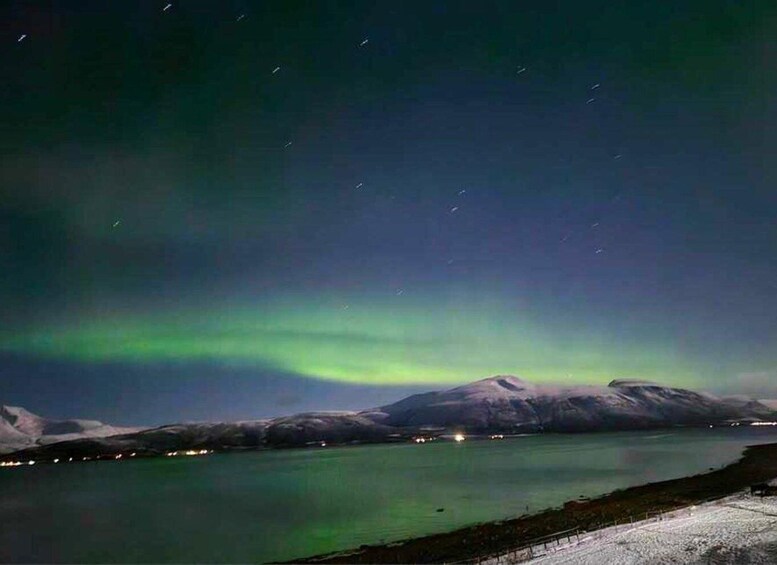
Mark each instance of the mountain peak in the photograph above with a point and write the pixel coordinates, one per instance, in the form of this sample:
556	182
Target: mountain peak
508	382
23	420
505	402
20	428
13	414
499	386
633	382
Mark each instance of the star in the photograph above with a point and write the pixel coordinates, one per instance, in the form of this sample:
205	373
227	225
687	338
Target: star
21	38
590	100
360	185
166	8
600	250
522	70
240	17
365	42
618	156
463	191
454	209
594	87
595	225
116	223
275	70
399	292
288	144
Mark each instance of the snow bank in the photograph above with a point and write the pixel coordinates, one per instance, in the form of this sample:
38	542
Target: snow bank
737	529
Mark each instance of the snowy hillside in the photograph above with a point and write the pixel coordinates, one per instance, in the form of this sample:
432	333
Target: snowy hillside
20	429
507	403
501	404
770	402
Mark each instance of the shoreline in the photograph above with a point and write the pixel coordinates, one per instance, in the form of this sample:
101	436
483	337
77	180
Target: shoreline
99	449
475	543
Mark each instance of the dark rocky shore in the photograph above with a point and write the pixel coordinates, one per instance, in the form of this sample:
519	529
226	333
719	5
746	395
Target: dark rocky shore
758	464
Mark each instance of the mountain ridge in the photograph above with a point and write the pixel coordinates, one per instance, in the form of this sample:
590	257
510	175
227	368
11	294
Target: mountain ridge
21	429
510	404
503	404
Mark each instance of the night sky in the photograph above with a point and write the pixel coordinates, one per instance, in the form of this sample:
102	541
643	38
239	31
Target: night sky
223	209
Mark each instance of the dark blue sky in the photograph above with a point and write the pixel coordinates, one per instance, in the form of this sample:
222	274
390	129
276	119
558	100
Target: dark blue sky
419	195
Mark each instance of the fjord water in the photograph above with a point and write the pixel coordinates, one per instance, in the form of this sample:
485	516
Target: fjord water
264	506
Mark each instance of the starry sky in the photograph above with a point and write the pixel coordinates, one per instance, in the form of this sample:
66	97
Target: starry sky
234	209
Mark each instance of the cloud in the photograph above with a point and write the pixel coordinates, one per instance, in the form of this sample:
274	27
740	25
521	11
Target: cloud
759	384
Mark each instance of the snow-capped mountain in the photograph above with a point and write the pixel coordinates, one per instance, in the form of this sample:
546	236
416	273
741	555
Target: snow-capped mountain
20	429
507	403
770	402
501	404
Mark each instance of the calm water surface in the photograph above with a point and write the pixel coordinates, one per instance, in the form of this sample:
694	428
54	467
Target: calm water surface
257	507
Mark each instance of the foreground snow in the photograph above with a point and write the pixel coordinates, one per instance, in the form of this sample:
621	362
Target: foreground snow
737	529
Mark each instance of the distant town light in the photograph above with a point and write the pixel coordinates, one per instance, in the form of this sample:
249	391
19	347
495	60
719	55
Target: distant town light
189	452
459	437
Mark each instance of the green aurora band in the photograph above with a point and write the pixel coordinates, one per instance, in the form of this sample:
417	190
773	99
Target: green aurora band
397	341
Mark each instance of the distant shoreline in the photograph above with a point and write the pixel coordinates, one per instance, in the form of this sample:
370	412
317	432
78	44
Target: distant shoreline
109	448
475	543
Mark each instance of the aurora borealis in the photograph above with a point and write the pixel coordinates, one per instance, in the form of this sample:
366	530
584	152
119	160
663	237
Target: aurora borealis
373	343
345	201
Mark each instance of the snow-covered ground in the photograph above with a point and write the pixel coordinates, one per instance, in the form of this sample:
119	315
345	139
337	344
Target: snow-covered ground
737	529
